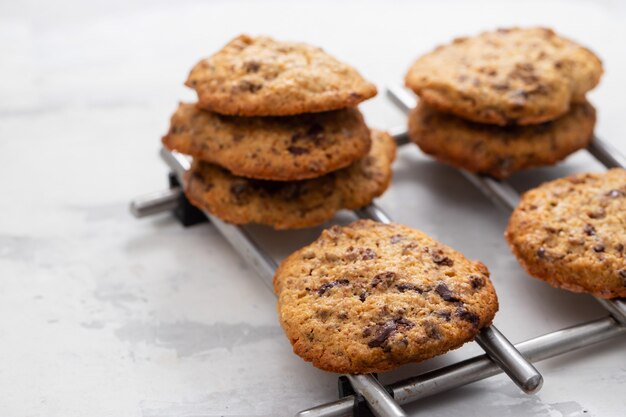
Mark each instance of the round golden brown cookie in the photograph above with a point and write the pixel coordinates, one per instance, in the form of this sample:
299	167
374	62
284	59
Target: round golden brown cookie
264	77
510	76
271	148
500	151
571	233
369	297
295	204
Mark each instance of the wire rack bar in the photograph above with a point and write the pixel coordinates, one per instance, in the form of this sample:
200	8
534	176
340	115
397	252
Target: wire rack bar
482	367
490	339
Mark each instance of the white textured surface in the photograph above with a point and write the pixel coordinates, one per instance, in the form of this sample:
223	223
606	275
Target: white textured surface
105	315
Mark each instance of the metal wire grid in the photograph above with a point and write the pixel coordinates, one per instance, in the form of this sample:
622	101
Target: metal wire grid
500	355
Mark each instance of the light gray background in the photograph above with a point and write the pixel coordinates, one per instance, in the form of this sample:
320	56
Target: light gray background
105	315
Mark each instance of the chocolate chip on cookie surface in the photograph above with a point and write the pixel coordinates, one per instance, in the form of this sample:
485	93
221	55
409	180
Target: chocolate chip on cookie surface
260	76
271	148
510	76
571	233
292	204
500	151
369	297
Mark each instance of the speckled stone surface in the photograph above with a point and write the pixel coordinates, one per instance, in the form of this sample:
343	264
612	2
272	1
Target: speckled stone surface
105	315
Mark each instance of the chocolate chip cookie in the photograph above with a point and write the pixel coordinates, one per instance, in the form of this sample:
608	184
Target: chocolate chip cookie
369	297
571	233
510	76
293	204
500	151
271	148
259	76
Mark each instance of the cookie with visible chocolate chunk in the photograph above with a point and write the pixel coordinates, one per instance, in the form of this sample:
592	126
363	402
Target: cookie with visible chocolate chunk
271	148
571	233
500	151
510	76
369	297
292	204
260	76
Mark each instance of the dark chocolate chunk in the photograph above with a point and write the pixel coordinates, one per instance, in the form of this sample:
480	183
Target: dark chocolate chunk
382	334
315	130
385	330
599	248
440	259
432	330
589	230
444	314
365	254
395	239
238	189
477	281
615	193
315	134
405	286
464	314
248	86
445	293
622	275
251	66
297	150
597	214
325	287
363	296
541	253
501	86
383	277
368	254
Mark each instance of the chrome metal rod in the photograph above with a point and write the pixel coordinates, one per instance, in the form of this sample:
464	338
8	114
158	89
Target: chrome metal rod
400	135
500	193
402	97
373	212
481	367
343	407
248	248
521	371
606	154
265	266
177	162
617	308
504	354
155	203
378	399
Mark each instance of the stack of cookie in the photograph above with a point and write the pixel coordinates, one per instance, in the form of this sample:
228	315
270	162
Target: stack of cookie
504	101
276	136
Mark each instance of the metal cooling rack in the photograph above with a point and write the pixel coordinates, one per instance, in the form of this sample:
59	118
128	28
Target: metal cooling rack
365	394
